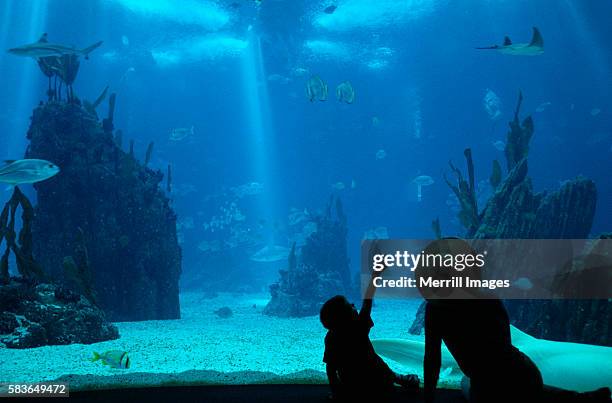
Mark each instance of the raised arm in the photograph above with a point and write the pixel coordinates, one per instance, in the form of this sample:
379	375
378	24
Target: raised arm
366	306
433	355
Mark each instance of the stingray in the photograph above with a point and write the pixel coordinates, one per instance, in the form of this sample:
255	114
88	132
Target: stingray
533	48
573	366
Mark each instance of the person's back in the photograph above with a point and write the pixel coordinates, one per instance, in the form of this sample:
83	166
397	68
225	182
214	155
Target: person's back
477	333
484	339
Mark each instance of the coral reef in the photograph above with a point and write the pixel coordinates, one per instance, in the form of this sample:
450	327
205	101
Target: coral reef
36	315
319	272
104	220
515	211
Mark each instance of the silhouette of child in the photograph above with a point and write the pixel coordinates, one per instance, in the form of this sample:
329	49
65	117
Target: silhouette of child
477	334
354	370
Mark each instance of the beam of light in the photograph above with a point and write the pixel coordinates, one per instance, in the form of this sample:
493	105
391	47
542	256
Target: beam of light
27	85
598	54
259	126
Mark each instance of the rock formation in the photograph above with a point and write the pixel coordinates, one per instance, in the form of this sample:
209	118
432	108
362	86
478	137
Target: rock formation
104	213
319	272
38	314
515	211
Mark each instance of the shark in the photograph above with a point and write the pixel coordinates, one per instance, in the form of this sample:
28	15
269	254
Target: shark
533	48
42	48
574	366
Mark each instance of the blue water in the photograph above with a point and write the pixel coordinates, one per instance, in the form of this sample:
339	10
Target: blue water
233	73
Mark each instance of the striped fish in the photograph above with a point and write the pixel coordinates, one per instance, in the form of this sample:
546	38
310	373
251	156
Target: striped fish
113	358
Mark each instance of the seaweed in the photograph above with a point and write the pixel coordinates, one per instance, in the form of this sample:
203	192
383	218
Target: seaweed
517	141
466	194
21	246
100	98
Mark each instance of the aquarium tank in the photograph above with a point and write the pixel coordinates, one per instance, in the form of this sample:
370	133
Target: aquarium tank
292	200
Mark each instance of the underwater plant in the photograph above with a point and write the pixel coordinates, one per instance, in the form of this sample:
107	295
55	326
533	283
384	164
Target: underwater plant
517	143
466	194
20	246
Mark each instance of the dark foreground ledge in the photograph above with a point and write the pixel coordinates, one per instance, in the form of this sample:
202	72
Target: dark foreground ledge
233	394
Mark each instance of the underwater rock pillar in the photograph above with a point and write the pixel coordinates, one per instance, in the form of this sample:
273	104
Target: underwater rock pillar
128	227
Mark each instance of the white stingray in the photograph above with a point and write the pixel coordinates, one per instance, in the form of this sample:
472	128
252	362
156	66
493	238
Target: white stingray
574	366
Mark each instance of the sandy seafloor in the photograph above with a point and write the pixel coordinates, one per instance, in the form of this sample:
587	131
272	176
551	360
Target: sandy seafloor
201	348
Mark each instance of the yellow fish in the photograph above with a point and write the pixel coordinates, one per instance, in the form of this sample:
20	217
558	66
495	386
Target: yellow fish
113	358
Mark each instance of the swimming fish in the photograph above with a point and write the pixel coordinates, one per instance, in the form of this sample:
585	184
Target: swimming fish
499	145
595	111
42	48
316	89
574	366
533	48
381	154
338	186
180	133
27	171
345	92
330	9
113	358
272	253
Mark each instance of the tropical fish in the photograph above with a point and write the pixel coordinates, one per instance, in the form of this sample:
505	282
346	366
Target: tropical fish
574	366
42	48
27	171
595	111
113	358
181	133
345	92
316	89
381	154
533	48
270	253
330	9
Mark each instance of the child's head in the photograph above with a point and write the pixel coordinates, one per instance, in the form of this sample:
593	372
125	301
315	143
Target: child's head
337	312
